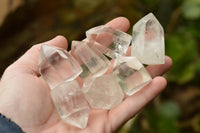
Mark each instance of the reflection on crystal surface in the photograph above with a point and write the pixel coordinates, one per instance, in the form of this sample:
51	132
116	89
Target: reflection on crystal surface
57	65
92	61
132	76
103	92
71	103
148	41
110	41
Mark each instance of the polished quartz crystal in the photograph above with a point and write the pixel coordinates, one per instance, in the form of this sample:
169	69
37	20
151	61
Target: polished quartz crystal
70	103
110	41
103	92
57	65
131	74
92	61
148	41
102	84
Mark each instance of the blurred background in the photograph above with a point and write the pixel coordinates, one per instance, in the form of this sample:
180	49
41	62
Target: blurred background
24	23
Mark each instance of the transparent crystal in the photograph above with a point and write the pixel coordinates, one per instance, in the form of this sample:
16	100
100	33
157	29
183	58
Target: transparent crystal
132	76
92	61
110	41
70	103
57	65
148	41
103	92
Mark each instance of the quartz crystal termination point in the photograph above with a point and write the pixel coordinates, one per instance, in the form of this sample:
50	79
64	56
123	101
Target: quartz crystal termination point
57	65
148	41
103	92
93	62
110	41
71	104
132	76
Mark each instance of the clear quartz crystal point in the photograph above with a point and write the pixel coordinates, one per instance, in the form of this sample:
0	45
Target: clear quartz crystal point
132	76
71	103
110	41
148	41
103	92
92	61
57	65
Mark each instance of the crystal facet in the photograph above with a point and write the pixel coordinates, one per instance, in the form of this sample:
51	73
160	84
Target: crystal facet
93	62
57	65
103	92
110	41
132	76
71	103
148	41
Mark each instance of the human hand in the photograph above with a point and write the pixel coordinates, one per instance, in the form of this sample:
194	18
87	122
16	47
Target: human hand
25	96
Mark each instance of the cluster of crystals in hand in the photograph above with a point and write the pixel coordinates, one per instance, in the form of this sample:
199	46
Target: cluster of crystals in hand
97	71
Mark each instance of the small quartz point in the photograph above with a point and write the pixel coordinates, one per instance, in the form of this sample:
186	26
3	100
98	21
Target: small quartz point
92	61
57	65
70	103
110	41
103	92
148	41
132	76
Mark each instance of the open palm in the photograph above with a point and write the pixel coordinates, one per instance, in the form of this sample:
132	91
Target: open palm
25	96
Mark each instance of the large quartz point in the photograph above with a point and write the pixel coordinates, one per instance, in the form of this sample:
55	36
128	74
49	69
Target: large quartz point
92	61
103	92
131	74
57	65
148	41
110	41
71	103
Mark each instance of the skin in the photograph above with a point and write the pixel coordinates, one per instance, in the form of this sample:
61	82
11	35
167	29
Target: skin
25	96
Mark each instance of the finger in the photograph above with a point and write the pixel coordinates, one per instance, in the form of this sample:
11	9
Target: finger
29	61
105	39
128	52
158	70
120	23
133	104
